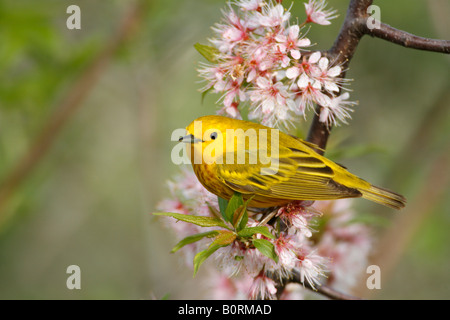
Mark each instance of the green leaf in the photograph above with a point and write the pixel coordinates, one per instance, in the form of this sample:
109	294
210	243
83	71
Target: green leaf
222	206
234	203
224	239
248	232
213	211
194	238
202	256
208	52
238	216
197	220
240	220
244	220
266	248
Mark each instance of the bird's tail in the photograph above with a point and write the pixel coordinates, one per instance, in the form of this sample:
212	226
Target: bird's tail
384	197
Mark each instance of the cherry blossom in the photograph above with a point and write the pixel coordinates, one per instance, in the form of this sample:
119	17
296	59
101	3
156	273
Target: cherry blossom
272	100
262	288
316	12
290	41
251	5
257	43
273	16
297	214
337	108
311	267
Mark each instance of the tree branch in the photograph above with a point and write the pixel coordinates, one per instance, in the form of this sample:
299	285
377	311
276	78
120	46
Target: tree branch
341	53
408	40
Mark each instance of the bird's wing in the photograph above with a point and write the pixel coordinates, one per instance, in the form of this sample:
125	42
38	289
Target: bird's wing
293	174
255	174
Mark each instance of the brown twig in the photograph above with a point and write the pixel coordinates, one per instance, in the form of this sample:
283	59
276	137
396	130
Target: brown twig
341	53
69	105
408	40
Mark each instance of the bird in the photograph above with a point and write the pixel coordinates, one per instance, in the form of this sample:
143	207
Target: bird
270	168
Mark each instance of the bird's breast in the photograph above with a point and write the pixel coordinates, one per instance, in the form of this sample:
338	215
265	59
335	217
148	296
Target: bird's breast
207	175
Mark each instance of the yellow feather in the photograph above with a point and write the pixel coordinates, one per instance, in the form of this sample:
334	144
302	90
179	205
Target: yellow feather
231	155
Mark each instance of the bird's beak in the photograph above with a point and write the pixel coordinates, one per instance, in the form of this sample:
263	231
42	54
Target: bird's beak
189	139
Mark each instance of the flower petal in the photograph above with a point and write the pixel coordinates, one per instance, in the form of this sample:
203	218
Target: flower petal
303	81
335	71
314	58
323	63
292	72
295	54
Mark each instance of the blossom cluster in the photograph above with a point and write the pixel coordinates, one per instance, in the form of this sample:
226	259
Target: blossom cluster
265	63
321	243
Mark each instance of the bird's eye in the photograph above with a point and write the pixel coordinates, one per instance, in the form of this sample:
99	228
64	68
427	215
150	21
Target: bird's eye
213	136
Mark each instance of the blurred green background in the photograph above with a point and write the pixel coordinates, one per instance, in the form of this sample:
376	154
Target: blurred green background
87	198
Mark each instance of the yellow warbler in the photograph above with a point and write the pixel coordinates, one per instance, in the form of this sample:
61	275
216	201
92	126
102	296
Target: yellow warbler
230	155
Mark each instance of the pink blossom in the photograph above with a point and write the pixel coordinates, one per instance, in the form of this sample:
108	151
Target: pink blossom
308	67
231	258
316	12
262	288
273	16
338	108
280	56
254	63
327	76
297	214
269	94
233	31
254	261
236	257
251	5
285	248
290	42
311	267
213	75
262	62
308	93
233	93
231	111
272	99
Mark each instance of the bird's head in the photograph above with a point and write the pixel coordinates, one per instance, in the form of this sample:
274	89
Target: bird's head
205	138
212	139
